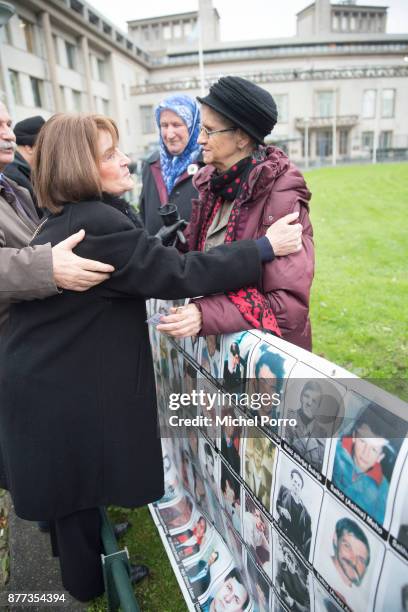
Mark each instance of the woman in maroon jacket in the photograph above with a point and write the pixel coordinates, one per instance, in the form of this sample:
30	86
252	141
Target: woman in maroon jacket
243	189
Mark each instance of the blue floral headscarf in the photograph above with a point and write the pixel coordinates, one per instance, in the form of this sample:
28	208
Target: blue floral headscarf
172	166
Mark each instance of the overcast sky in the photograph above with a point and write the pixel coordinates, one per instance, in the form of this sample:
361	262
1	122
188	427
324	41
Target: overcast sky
240	20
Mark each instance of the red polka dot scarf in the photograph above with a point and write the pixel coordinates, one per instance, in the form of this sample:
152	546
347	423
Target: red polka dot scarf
231	185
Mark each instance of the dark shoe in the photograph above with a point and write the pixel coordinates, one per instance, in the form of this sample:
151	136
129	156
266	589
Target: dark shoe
43	526
119	529
138	572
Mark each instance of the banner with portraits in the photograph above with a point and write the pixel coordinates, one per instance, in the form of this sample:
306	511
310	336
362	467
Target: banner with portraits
286	477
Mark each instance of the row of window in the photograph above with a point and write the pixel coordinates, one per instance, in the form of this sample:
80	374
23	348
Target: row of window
323	142
353	21
166	30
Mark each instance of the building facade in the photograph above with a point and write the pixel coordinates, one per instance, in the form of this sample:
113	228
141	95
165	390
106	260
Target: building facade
340	83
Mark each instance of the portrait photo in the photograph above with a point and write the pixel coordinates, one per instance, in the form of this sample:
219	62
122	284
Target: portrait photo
234	358
231	495
229	589
315	403
365	457
260	589
175	369
323	602
296	506
259	463
177	513
231	435
211	356
257	534
232	540
348	555
291	578
214	561
210	463
191	541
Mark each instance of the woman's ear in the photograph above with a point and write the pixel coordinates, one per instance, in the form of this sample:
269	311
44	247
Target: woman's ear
243	140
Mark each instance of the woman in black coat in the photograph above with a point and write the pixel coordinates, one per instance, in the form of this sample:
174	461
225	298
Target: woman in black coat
78	425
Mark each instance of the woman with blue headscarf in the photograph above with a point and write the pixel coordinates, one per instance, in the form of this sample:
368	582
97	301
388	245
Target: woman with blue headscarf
167	173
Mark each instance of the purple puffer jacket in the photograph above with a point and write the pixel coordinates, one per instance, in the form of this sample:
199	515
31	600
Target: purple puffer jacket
275	188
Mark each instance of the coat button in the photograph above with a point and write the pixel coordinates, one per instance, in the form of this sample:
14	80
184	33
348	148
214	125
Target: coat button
270	218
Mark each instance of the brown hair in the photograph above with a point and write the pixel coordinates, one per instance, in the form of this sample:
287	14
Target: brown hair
66	158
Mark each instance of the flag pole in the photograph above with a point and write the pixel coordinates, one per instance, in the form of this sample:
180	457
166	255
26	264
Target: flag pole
200	50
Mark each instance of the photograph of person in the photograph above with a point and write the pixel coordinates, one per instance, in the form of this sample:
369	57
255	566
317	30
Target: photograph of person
191	345
322	600
191	541
291	577
209	461
211	355
257	534
192	438
208	406
259	463
231	496
187	470
235	349
175	379
365	457
267	373
297	504
177	513
233	542
399	526
231	439
172	487
260	589
215	560
229	594
348	555
392	591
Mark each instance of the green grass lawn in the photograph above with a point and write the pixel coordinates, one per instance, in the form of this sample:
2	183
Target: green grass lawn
359	314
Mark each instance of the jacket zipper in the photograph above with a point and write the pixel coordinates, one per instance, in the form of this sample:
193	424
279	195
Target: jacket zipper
38	230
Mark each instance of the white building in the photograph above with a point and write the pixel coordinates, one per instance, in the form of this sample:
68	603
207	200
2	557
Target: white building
340	83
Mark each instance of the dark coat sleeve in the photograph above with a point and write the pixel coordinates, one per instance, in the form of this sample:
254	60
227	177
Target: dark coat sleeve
145	268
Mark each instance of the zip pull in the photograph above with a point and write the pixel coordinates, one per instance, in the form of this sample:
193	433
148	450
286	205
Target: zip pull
39	228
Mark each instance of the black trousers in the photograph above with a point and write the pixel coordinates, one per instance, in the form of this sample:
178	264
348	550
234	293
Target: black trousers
76	540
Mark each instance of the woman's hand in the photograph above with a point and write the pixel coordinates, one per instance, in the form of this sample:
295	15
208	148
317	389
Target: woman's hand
285	238
182	321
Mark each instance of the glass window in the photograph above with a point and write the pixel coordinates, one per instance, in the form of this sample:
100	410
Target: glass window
335	22
76	98
387	103
5	34
167	32
324	143
187	28
36	88
28	32
100	69
343	142
385	140
282	104
147	119
325	104
71	55
369	101
15	86
367	140
145	32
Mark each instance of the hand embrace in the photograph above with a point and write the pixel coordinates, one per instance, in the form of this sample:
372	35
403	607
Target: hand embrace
285	238
182	322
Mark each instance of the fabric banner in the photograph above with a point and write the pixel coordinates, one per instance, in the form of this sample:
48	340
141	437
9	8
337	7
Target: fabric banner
286	477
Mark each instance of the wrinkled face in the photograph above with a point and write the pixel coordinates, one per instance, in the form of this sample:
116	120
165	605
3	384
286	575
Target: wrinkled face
113	166
367	450
221	150
174	132
230	597
310	402
7	138
352	557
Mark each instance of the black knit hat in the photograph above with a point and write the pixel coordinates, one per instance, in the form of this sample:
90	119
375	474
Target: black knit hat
247	105
26	131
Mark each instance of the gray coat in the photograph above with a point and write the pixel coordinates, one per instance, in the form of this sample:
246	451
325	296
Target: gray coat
25	272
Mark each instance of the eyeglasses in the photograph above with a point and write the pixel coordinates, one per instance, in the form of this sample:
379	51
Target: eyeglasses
209	133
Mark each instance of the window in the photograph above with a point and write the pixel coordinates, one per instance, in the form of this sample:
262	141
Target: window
177	30
28	33
71	55
385	140
335	21
387	103
325	104
282	104
324	143
15	86
105	106
367	140
188	28
36	88
145	33
100	66
76	98
343	142
369	101
147	119
5	34
167	32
